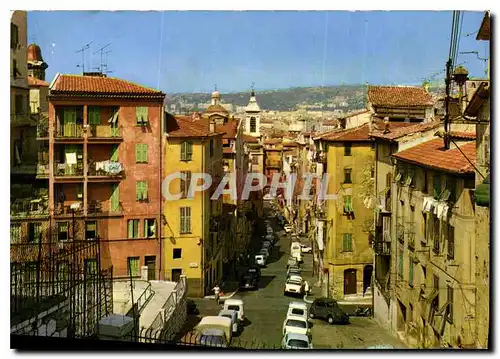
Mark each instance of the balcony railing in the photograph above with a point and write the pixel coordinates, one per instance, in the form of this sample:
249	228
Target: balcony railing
69	209
42	130
36	207
105	131
42	170
69	130
105	169
64	169
103	208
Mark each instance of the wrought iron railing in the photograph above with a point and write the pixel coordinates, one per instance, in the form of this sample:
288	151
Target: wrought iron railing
69	130
105	131
65	169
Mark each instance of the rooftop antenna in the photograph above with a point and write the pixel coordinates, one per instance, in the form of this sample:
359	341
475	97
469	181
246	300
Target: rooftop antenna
102	53
82	50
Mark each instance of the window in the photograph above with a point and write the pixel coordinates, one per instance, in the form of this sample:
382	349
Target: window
186	151
211	147
19	104
424	189
14	36
141	153
400	261
255	160
62	231
347	175
133	266
451	241
347	242
185	213
437	186
253	124
348	204
372	173
94	116
388	180
90	230
435	302
435	233
177	253
133	228
425	222
185	183
90	266
176	274
347	149
449	301
15	233
410	272
141	115
150	228
141	190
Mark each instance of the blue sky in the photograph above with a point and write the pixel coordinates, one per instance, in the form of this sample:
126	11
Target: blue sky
276	49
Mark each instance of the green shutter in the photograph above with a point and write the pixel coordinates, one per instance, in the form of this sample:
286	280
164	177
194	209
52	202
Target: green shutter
189	150
70	122
141	114
114	153
437	186
138	153
145	189
115	198
94	116
145	153
130	229
138	190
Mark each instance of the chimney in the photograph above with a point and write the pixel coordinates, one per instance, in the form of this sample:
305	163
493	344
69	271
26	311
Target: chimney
426	86
212	126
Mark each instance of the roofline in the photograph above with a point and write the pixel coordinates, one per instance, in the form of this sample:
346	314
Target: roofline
462	173
54	80
66	94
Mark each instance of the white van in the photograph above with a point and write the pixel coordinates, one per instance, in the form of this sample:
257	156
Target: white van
237	305
296	251
216	322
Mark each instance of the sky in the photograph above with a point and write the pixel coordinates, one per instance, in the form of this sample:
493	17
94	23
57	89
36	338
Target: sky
192	51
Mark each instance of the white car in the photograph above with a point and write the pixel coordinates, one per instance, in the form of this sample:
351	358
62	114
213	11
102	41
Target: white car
296	325
305	249
293	285
288	228
237	305
296	341
260	260
297	309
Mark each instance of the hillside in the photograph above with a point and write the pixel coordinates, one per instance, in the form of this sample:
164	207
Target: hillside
326	98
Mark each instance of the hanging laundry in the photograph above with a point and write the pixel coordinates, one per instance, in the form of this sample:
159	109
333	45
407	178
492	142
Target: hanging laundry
71	158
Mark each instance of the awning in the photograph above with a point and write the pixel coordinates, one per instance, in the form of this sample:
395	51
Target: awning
482	193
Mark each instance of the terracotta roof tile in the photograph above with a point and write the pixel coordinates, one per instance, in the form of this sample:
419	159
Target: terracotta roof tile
33	81
333	122
399	96
463	135
249	139
216	108
97	85
184	126
432	154
290	144
396	132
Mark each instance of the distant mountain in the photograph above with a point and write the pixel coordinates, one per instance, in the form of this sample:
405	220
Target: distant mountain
347	97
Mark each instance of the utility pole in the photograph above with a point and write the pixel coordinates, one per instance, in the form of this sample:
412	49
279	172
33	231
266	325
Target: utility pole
447	105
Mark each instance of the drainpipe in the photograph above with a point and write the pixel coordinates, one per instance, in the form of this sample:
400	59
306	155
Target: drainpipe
202	241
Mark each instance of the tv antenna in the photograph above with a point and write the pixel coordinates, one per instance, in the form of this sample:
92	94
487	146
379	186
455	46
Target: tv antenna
82	50
103	66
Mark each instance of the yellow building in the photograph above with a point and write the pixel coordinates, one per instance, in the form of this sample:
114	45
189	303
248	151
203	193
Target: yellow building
348	159
193	227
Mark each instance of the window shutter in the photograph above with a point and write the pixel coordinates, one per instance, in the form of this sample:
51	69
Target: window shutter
137	153
114	153
146	225
188	219
145	189
94	116
138	190
115	198
189	150
130	228
181	219
145	153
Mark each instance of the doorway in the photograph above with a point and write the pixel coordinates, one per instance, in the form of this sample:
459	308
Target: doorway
176	274
367	277
150	262
349	281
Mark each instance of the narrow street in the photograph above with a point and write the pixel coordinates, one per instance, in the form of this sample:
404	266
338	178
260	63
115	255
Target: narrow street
265	310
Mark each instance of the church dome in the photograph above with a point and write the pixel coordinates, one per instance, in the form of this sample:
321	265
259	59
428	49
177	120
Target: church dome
34	53
216	108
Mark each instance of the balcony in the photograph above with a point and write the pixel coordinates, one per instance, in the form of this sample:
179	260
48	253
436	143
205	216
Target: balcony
42	170
67	210
24	169
105	133
382	248
68	171
98	208
105	171
29	208
69	131
42	131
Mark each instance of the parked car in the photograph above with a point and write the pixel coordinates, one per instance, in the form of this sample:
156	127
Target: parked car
213	338
249	281
296	341
293	268
269	230
293	285
260	260
237	305
233	315
216	323
297	309
267	244
328	309
296	325
306	248
254	269
288	228
295	251
292	261
264	251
